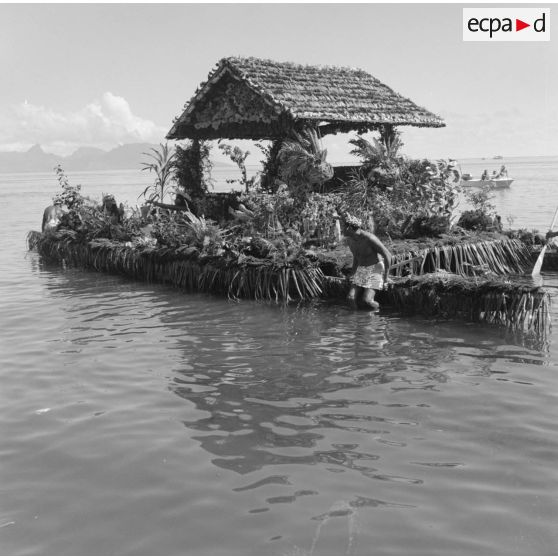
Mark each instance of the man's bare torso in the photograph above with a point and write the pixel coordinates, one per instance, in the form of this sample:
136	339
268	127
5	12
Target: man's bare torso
363	249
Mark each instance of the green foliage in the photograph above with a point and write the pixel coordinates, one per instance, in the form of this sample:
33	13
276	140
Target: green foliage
86	219
70	196
185	230
238	157
381	162
317	218
302	163
162	163
204	234
90	222
475	220
405	197
270	165
482	215
193	168
481	198
273	213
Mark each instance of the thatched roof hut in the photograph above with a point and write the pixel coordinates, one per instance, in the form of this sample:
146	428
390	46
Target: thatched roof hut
251	98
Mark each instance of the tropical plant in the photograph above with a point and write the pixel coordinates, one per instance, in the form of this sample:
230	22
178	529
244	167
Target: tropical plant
204	234
193	168
482	215
481	199
270	165
405	197
238	156
185	230
272	213
318	218
302	163
70	196
162	163
381	163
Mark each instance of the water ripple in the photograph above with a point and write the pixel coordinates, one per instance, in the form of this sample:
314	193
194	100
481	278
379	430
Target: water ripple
249	428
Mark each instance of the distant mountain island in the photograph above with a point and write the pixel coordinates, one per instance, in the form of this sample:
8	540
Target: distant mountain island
128	156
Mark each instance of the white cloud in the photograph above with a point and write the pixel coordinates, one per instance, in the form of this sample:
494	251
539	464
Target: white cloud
109	121
102	123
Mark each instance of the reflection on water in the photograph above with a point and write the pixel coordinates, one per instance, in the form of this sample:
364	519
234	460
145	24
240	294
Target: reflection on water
137	420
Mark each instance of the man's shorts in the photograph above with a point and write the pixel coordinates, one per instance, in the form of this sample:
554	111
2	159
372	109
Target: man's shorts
369	276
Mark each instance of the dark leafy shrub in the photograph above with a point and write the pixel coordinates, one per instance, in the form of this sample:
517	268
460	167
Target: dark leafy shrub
317	218
427	226
302	163
273	214
193	171
475	220
402	196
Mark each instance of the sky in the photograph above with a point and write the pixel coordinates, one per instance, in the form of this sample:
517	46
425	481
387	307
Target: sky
105	74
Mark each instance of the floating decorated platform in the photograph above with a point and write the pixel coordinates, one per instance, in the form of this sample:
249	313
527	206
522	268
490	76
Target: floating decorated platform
279	239
510	301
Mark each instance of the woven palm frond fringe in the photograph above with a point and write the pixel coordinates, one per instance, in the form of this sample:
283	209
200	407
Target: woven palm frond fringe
515	305
261	280
504	256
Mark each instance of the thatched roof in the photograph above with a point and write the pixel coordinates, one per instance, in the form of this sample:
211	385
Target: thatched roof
261	99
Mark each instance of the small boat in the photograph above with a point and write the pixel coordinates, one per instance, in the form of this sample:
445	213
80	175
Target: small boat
497	183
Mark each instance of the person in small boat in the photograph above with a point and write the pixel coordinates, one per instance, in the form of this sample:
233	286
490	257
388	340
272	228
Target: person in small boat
371	261
503	172
51	217
485	175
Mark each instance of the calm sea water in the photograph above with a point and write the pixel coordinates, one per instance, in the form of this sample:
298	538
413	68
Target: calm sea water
136	419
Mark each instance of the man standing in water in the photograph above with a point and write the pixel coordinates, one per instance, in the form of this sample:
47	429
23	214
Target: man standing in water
369	272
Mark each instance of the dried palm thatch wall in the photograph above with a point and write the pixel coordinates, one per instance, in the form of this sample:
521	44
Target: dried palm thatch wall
504	256
514	305
238	278
252	98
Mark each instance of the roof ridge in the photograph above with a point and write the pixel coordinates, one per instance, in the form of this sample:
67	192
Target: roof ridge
291	64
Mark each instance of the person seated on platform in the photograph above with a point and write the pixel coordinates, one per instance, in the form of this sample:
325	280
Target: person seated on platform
51	217
485	175
371	260
110	208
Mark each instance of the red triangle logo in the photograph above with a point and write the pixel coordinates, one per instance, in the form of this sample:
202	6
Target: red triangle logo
519	25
